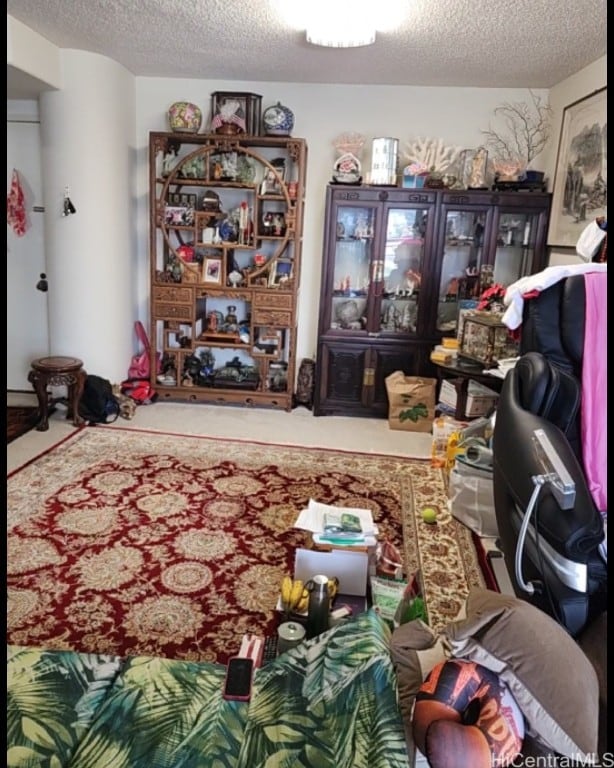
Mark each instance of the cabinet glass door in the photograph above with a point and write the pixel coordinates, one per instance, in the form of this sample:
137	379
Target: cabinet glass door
400	273
353	269
463	256
515	247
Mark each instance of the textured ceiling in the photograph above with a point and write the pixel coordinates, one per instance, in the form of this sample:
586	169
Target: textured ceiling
479	43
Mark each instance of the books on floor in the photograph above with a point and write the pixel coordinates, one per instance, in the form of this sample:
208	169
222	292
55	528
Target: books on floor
338	525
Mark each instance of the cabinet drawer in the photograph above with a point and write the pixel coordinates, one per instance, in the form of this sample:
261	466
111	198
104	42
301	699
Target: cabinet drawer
272	317
164	311
273	300
173	294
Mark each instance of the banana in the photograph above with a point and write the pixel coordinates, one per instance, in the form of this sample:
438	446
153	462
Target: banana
333	586
303	603
296	593
286	592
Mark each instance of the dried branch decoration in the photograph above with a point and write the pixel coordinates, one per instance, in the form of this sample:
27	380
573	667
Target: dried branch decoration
433	154
525	132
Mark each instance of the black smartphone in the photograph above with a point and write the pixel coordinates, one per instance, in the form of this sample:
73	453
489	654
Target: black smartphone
238	682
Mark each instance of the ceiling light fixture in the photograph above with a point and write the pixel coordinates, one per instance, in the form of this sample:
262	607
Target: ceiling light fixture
351	34
342	23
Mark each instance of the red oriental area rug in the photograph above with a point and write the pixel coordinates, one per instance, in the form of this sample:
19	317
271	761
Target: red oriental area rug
128	542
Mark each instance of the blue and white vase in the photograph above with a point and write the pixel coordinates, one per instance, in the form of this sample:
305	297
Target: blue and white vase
278	120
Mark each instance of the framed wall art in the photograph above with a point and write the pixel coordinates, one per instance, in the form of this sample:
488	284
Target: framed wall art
212	271
580	182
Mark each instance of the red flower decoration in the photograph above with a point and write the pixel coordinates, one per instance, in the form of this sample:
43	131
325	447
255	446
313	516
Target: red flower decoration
492	296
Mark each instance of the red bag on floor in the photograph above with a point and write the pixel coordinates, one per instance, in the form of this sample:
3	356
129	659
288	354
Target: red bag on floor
139	365
138	390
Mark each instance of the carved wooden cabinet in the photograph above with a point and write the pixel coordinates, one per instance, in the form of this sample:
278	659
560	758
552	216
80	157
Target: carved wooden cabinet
225	251
398	265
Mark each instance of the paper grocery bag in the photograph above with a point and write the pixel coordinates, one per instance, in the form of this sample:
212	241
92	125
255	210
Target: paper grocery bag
411	402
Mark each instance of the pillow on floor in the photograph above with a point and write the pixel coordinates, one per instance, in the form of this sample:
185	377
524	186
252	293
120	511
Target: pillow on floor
548	674
415	649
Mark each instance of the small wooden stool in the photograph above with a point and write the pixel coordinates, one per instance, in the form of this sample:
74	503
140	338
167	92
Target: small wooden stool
57	371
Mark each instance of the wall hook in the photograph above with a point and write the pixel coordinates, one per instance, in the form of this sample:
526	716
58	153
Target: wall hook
68	206
42	284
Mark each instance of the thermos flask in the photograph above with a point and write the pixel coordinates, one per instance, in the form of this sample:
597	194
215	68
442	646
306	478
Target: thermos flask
318	612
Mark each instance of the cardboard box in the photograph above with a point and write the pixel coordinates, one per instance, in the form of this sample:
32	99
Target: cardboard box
480	399
351	568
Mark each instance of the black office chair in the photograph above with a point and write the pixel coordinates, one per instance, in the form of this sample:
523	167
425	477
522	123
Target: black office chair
550	531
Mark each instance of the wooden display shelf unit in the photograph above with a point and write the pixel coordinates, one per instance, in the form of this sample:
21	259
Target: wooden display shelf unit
218	274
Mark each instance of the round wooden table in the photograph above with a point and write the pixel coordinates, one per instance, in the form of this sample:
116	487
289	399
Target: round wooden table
57	371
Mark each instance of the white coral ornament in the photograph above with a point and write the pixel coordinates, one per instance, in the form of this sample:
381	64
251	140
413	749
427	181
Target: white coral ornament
432	153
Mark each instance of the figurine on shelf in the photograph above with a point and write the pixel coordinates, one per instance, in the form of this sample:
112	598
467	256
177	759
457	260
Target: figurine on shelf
346	170
279	224
347	167
212	322
407	257
235	278
230	320
170	158
230	117
267	223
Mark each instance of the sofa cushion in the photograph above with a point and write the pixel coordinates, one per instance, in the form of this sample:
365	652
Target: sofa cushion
548	674
415	650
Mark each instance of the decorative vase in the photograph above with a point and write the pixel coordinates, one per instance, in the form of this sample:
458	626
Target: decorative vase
185	117
278	120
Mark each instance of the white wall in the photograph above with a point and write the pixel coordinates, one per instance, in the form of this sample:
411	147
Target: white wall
87	131
29	52
27	332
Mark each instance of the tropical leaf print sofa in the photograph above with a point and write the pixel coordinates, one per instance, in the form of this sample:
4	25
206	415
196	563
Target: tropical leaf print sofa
329	702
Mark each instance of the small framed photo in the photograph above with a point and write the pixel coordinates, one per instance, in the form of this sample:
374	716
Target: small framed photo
281	272
274	177
178	216
212	271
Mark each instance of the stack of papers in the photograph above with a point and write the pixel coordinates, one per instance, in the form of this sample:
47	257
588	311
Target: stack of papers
343	526
503	366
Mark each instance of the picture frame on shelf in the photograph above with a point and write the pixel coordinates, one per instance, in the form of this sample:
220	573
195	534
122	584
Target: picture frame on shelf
234	112
212	271
281	272
183	199
274	177
580	182
178	216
